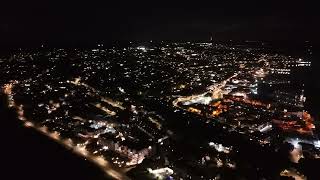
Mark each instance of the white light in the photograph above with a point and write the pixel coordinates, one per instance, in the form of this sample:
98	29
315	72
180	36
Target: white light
317	143
295	143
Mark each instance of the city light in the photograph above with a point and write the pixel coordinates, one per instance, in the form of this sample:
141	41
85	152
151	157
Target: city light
168	110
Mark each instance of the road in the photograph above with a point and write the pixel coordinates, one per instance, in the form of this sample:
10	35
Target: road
214	89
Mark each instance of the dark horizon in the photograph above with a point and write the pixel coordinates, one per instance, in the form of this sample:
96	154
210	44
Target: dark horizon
32	23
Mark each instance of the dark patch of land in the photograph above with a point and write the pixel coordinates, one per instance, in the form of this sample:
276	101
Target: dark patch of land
28	154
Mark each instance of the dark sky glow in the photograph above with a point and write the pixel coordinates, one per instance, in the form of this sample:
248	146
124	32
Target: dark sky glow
77	22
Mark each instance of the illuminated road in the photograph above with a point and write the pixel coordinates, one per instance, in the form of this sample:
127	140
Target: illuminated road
215	89
104	99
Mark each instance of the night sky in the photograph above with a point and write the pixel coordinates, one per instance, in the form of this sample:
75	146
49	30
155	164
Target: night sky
75	22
